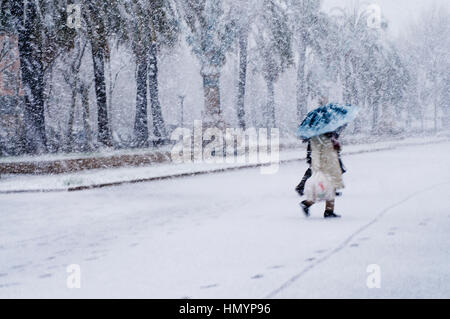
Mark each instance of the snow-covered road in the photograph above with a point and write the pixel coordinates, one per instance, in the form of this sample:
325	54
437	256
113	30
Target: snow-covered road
238	235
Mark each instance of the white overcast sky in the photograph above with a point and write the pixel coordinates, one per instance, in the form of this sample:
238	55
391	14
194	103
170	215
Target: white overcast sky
399	13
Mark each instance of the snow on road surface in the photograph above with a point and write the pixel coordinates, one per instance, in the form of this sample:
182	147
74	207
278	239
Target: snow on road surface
62	182
238	234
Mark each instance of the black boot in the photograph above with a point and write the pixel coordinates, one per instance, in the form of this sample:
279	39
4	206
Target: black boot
305	207
330	214
301	187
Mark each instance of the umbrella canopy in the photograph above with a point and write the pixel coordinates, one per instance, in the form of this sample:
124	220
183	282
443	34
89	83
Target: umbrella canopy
326	119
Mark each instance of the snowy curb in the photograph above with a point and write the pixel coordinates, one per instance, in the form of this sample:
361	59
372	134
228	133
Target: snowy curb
86	180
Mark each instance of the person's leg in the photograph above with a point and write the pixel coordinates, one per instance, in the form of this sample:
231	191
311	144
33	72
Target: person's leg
301	187
329	209
329	205
305	205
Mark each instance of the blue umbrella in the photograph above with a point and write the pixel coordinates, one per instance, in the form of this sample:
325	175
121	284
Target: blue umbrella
325	119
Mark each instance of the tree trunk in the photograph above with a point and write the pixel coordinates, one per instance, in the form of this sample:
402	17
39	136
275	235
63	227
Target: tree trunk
211	89
435	115
408	121
347	90
32	70
422	119
270	109
375	119
141	121
104	133
445	116
109	100
242	78
302	97
159	127
444	105
385	122
355	101
71	118
84	92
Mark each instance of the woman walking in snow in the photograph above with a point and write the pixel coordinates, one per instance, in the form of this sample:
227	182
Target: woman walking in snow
325	150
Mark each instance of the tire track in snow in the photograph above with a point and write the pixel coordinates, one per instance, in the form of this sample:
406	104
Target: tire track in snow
345	243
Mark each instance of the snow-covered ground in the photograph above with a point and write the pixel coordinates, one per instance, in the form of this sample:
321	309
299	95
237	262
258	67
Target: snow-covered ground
238	234
63	182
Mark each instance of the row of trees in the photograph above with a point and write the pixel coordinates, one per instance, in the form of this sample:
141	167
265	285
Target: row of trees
339	51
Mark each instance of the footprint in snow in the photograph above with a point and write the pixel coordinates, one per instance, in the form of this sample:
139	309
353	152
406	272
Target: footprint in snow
99	251
53	267
209	286
19	266
91	258
42	244
257	276
62	252
9	284
276	267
